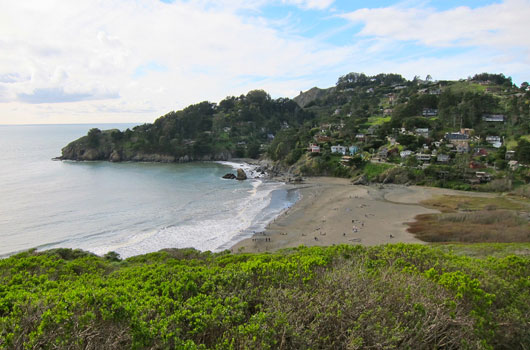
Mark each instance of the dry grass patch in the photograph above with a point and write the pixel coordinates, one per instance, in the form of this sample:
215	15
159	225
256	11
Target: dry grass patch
448	203
472	227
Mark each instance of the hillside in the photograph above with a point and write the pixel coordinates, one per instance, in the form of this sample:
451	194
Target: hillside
461	134
341	297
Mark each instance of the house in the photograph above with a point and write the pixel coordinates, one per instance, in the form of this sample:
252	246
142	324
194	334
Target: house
513	164
337	111
481	152
227	129
360	137
322	138
392	98
345	160
270	137
456	136
423	157
468	132
462	147
497	118
371	130
430	112
509	155
422	132
388	111
476	165
313	148
284	125
443	158
383	153
338	149
493	139
483	176
405	154
353	150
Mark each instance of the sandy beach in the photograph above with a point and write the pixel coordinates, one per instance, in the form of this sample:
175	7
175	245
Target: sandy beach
333	211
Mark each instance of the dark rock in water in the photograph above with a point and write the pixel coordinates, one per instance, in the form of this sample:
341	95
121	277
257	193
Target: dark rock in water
241	174
229	176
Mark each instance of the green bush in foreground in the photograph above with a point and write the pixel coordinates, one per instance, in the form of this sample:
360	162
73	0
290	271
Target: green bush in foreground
341	297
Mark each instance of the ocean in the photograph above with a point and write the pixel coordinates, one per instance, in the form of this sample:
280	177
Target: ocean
129	208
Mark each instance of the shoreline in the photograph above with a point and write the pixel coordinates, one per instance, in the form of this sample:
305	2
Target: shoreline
332	211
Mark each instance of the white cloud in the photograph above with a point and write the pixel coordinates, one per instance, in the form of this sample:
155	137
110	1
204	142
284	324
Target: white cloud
498	25
64	51
310	4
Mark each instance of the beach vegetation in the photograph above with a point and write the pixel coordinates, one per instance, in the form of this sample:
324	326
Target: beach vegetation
340	297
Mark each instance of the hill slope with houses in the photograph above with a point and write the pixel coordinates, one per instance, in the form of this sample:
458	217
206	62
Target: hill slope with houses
460	134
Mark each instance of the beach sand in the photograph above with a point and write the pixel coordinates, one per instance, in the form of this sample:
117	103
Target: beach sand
333	211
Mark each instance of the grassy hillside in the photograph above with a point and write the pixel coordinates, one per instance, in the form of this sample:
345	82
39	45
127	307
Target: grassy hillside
341	297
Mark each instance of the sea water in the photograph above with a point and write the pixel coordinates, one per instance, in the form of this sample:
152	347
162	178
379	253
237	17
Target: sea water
130	208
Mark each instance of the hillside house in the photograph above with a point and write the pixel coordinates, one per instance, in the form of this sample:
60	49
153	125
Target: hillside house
443	158
383	153
422	132
270	137
476	165
495	118
405	154
388	111
360	137
345	160
481	152
353	150
422	157
468	132
429	112
495	141
483	176
313	148
509	155
455	137
462	147
338	149
322	138
513	164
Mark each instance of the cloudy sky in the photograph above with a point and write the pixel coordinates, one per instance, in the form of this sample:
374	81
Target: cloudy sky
93	61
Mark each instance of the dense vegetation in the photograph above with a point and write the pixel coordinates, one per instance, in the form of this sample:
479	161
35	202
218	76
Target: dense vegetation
372	113
341	297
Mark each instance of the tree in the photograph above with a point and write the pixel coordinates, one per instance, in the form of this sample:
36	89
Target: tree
522	151
93	137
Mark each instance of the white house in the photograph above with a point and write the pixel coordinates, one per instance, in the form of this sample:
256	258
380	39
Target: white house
443	158
338	149
493	118
405	154
422	132
493	139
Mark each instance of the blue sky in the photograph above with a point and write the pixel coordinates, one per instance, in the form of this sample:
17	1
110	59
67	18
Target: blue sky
132	61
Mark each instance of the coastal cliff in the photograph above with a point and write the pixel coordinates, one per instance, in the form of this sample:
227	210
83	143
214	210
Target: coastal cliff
85	149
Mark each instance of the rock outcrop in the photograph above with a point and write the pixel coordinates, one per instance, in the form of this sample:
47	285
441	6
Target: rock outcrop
241	175
229	176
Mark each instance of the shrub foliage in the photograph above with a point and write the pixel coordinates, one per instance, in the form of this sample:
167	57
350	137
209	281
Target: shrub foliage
340	297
